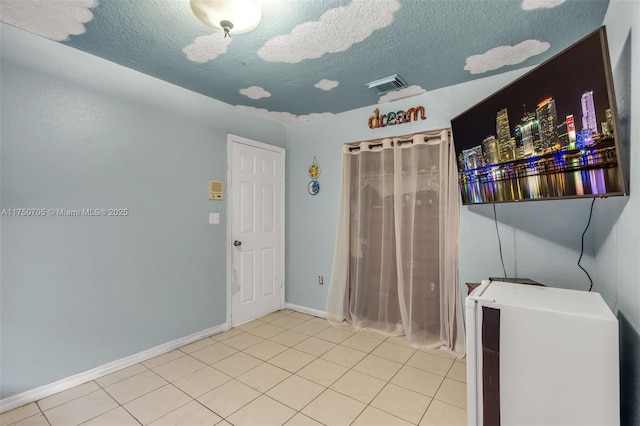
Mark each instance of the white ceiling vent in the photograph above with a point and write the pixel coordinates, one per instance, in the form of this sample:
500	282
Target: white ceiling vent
386	84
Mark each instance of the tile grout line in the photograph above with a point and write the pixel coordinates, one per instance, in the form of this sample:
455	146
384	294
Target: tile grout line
370	352
282	315
327	388
345	373
389	382
263	361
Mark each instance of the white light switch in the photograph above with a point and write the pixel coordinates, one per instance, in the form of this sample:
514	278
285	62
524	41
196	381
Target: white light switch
214	218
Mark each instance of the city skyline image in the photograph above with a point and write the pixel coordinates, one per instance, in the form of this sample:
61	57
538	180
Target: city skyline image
549	134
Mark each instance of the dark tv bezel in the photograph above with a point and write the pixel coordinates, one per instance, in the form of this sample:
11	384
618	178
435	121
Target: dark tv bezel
606	61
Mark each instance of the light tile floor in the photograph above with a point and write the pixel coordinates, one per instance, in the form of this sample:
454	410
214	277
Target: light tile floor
286	368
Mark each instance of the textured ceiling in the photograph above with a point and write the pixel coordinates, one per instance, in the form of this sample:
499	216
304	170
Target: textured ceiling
308	58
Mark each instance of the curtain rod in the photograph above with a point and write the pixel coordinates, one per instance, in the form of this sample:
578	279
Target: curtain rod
429	134
380	144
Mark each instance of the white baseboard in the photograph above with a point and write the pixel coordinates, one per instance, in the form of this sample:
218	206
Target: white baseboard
44	391
305	310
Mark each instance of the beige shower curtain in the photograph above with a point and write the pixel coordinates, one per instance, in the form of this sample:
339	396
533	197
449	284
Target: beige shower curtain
395	267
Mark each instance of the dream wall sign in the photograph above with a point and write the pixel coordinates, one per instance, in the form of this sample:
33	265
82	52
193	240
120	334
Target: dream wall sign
392	118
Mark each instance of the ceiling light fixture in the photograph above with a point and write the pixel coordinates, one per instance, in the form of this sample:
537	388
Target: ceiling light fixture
230	16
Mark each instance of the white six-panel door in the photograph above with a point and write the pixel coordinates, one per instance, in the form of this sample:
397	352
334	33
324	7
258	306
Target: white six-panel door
256	222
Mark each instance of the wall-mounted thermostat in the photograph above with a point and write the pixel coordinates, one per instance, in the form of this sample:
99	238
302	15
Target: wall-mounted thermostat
216	189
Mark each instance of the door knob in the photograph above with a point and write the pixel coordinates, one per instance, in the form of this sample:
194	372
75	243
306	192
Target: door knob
237	243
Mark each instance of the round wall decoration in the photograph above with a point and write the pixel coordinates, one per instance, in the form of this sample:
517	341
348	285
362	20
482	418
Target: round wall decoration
313	187
314	171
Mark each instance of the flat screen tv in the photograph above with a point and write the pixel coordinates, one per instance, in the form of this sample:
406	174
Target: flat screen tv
551	134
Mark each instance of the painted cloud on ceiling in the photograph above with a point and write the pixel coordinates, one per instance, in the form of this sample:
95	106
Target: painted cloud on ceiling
283	117
206	48
540	4
336	31
402	93
502	56
325	84
255	92
55	20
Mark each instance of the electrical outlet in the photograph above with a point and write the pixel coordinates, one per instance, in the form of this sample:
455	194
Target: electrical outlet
320	280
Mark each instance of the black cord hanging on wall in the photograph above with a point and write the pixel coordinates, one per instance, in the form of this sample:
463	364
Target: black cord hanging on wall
582	245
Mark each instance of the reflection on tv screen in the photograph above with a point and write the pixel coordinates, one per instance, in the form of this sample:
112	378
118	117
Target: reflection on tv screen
550	134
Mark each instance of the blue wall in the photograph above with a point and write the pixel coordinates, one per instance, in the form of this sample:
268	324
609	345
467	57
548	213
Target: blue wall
543	250
80	132
617	235
540	240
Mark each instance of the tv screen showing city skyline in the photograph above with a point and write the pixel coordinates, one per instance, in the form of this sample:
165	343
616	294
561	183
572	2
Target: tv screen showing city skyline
550	134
